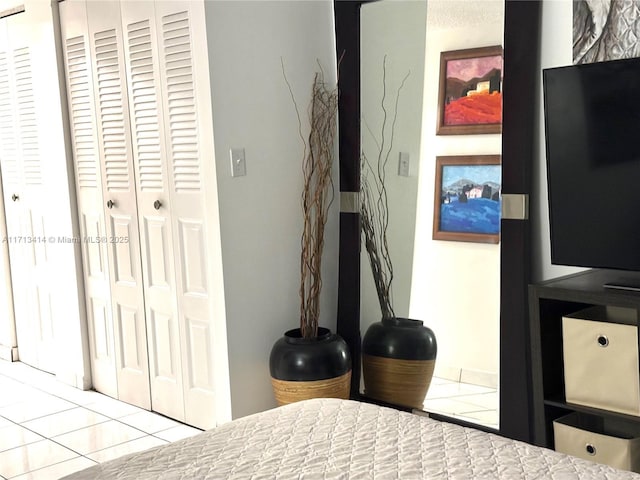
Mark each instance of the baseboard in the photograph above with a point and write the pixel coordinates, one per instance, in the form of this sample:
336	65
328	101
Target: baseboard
478	377
9	354
77	381
465	375
447	372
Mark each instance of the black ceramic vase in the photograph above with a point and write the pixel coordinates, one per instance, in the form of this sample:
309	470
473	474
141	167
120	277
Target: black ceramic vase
398	358
303	368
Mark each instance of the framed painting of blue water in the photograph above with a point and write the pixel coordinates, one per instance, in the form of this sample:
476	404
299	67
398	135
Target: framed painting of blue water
467	200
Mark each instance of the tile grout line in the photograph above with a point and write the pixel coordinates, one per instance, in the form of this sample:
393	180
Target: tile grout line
460	398
33	384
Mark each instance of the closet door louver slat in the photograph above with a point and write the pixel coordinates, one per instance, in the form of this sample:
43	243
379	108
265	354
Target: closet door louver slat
27	122
8	144
110	101
145	107
181	102
81	112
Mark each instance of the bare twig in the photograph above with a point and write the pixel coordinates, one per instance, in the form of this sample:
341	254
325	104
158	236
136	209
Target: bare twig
374	204
317	195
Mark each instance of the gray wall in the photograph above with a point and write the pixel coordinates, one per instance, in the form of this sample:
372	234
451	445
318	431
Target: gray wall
260	213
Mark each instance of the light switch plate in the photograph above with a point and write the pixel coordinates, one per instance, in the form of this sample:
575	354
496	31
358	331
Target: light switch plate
238	162
403	164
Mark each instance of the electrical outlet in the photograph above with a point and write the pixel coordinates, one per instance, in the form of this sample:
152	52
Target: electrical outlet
238	162
403	164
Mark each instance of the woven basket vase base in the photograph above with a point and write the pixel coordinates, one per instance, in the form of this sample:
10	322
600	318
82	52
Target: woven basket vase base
399	382
289	391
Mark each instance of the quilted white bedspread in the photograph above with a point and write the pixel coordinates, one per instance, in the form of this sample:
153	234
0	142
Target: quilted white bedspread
341	439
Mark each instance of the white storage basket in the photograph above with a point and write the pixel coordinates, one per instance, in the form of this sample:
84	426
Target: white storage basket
601	359
600	440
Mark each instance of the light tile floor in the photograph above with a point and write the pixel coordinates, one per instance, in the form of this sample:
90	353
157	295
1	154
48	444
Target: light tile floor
472	403
49	429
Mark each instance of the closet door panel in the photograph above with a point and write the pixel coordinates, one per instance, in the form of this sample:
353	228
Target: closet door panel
118	181
193	258
162	318
32	203
23	99
154	208
180	31
73	21
11	174
197	324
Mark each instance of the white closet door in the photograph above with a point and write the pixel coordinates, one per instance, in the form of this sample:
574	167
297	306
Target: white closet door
154	208
9	166
28	205
184	77
118	181
73	21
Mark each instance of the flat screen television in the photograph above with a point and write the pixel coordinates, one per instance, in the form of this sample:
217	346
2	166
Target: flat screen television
592	128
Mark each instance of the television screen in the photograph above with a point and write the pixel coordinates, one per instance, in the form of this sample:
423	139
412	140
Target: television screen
592	127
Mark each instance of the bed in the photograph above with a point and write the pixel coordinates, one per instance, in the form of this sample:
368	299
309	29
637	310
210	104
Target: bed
344	439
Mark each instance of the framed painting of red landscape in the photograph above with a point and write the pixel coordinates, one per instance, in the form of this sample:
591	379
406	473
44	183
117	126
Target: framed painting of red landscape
467	201
470	92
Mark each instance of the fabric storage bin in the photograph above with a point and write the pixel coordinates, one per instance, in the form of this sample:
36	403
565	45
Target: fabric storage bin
614	443
601	359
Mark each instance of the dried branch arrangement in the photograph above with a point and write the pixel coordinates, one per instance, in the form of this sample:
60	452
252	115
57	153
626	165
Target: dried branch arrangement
317	194
374	202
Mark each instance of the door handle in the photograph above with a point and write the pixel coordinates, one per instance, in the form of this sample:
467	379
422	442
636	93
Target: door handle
157	204
15	197
111	204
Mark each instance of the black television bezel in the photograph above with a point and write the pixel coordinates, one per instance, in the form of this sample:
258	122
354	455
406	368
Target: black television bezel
588	262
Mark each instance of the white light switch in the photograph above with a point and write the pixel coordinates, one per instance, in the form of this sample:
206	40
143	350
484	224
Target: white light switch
403	164
238	163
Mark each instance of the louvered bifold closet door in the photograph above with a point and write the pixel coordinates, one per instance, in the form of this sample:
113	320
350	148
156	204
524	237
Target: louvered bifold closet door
11	178
188	138
29	214
154	208
80	95
118	180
